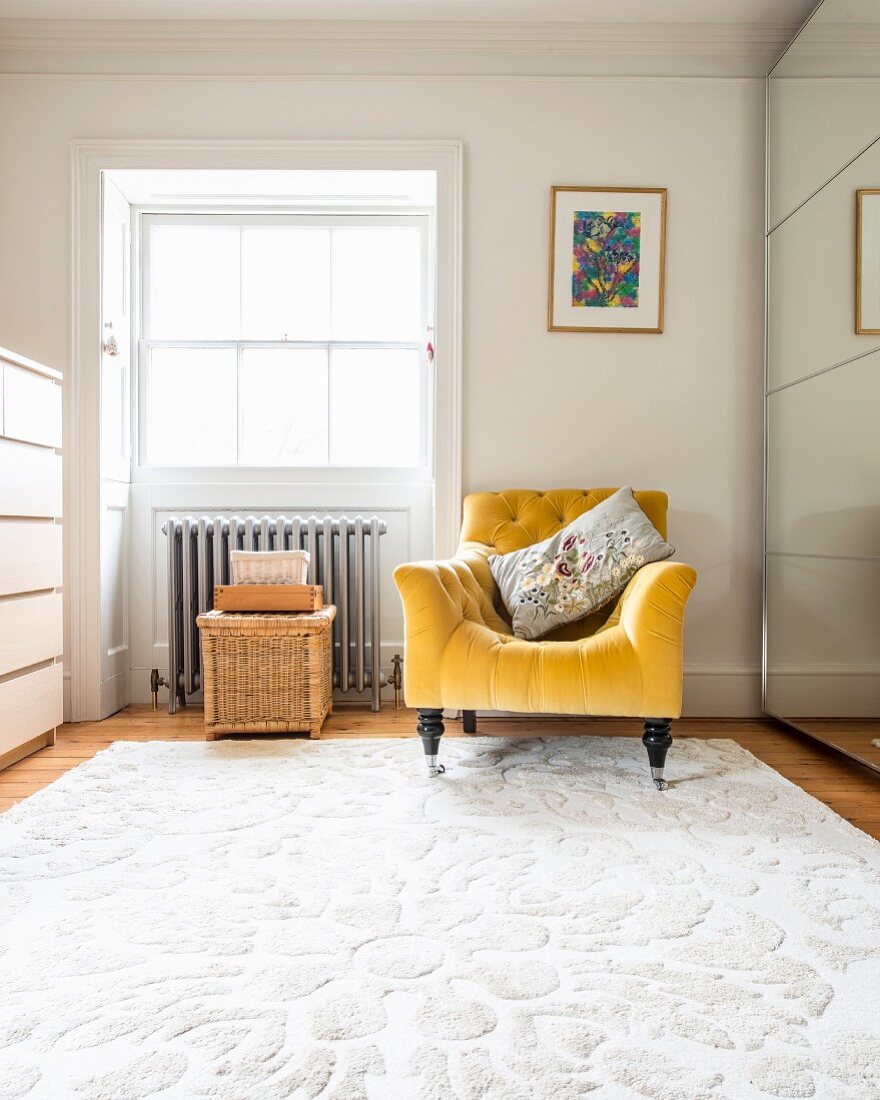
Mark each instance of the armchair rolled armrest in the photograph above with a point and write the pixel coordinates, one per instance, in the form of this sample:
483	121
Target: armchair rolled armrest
434	601
652	606
652	616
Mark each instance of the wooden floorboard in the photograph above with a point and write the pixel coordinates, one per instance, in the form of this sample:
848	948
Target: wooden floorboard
850	790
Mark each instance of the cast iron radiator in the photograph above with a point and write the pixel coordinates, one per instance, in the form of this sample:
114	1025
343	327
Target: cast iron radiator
344	559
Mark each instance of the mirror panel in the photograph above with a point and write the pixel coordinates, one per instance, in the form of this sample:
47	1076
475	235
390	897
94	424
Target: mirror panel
811	279
822	563
823	464
812	132
823	641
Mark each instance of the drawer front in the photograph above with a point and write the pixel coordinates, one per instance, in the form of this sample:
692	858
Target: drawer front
31	407
30	631
30	556
30	480
30	704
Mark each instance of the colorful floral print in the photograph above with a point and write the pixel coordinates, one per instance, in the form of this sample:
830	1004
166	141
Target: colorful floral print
566	582
606	250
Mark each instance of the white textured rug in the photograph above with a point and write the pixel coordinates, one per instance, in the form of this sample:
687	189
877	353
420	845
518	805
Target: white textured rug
319	919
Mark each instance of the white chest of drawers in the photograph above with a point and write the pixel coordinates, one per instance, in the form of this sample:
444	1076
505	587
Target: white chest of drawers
31	684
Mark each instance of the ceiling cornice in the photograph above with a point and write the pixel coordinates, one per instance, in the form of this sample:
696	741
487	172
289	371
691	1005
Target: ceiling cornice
840	39
187	34
722	49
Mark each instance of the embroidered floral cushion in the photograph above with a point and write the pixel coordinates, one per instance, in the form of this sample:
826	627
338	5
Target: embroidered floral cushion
581	568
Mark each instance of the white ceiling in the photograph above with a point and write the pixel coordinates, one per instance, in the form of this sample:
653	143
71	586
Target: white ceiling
770	13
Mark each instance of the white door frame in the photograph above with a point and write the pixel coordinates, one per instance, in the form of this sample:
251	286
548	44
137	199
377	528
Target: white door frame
82	389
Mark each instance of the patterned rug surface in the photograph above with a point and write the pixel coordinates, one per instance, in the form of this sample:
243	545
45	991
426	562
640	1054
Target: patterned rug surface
250	920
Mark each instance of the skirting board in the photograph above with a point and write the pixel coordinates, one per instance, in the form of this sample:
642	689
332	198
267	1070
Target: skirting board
723	693
115	693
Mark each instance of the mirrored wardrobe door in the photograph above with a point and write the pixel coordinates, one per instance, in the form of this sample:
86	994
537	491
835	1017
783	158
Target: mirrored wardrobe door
822	403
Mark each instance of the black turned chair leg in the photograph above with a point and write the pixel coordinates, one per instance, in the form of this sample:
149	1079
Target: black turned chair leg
430	729
469	721
657	739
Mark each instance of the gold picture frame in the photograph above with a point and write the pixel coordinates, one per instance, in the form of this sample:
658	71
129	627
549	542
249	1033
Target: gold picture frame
863	329
639	305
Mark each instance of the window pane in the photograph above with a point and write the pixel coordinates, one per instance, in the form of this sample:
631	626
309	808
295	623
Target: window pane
285	283
375	408
376	284
191	411
194	282
283	395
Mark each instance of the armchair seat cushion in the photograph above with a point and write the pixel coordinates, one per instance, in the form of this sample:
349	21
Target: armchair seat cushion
487	670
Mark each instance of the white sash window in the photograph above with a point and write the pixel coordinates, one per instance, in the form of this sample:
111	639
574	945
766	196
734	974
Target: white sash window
284	340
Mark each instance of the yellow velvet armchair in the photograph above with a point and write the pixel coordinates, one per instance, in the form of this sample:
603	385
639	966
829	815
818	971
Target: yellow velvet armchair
624	660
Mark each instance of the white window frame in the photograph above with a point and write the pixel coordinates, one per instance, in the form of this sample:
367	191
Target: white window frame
82	387
145	471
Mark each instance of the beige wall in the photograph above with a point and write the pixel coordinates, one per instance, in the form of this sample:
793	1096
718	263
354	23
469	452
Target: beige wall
680	411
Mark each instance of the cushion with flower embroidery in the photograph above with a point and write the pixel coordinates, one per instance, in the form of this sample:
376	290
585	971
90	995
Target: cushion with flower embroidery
581	568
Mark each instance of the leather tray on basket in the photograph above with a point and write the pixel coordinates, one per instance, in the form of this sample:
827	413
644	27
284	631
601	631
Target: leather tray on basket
268	597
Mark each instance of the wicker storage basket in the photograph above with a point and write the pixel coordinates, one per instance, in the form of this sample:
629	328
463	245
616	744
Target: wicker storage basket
267	673
270	566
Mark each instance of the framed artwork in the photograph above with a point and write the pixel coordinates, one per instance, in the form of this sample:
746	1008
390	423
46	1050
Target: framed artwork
607	254
868	262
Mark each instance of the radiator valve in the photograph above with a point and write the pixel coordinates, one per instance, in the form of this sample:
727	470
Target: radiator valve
157	681
397	678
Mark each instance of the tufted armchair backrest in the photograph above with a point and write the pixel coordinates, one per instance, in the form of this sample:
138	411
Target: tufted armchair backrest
515	518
